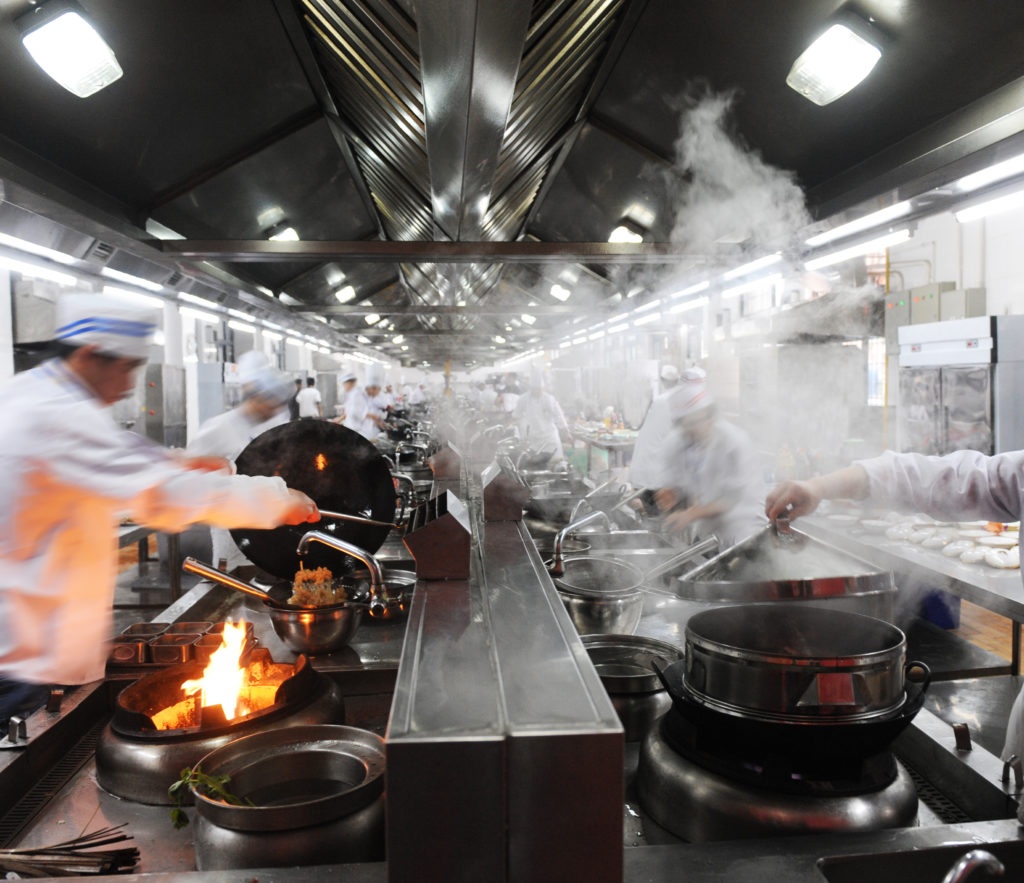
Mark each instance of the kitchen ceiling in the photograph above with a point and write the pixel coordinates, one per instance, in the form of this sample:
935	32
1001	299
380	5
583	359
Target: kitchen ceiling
453	159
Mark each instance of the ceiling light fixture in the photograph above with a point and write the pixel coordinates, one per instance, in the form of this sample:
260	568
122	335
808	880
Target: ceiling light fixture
371	318
753	266
130	279
40	250
561	293
875	219
1006	169
627	231
833	64
863	248
345	294
692	289
154	303
68	48
398	338
201	315
282	232
991	207
528	319
362	338
34	272
689	305
241	326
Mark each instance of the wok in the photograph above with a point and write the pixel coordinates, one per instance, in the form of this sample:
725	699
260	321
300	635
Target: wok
309	630
341	471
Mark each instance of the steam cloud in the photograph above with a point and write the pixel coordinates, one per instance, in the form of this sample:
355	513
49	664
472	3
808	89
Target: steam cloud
732	196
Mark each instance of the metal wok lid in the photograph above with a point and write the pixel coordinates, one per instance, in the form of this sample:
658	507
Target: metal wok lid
792	567
337	468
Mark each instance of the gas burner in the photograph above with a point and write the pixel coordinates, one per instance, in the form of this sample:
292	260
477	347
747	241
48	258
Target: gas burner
700	804
729	751
156	730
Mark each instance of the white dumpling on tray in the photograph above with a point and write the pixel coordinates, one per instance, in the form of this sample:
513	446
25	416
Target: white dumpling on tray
974	555
1004	558
956	548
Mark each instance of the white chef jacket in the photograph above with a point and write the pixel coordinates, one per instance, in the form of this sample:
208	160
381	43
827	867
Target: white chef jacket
358	407
962	486
227	435
725	468
649	467
68	473
308	398
541	422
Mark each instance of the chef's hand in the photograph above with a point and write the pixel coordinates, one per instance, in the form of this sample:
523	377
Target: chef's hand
666	498
301	510
792	499
678	521
208	464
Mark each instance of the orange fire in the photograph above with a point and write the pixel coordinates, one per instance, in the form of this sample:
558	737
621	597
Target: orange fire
321	462
223	678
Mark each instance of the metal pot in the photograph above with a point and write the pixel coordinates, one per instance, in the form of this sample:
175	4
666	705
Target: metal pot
601	595
317	795
772	661
624	664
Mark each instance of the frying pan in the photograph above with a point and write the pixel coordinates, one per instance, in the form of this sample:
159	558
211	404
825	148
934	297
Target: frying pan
341	471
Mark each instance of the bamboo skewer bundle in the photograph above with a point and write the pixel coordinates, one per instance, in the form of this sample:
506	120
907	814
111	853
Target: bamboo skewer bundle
73	857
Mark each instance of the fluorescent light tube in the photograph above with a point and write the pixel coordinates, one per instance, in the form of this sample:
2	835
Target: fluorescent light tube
646	320
1006	169
40	250
69	49
875	219
990	207
241	326
854	251
133	296
130	279
832	65
689	305
201	315
693	289
34	272
752	267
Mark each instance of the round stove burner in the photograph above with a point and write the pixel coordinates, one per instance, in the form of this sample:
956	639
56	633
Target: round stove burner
700	804
138	762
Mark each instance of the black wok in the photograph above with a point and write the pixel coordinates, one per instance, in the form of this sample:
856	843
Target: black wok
340	471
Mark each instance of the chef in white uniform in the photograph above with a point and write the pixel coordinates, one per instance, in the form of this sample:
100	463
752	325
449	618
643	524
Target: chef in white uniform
714	480
362	413
348	382
542	424
961	486
647	468
265	392
68	474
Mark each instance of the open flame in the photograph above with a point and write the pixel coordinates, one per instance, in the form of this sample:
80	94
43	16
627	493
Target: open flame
321	462
223	678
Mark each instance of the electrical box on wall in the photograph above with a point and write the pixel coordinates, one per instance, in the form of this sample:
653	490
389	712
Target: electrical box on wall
897	314
962	303
924	301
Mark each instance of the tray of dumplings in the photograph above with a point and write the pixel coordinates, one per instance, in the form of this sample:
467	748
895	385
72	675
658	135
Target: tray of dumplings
987	543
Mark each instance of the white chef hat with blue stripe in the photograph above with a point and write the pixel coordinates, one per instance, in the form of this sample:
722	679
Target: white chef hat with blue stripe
116	326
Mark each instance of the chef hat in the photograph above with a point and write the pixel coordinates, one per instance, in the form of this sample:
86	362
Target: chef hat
375	375
347	376
690	396
669	373
117	327
260	378
250	364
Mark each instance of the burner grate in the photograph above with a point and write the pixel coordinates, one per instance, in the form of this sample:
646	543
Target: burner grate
947	811
39	796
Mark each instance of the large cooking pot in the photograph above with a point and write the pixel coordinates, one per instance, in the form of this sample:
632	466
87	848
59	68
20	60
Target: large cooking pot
773	661
341	471
793	569
601	595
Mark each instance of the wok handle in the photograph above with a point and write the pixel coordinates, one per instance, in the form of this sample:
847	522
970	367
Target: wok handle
919	675
193	565
659	670
358	519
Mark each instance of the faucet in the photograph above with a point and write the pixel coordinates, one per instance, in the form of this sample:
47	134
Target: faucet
378	592
407	496
976	858
557	567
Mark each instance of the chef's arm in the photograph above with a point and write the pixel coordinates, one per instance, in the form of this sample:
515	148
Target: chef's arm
794	498
681	518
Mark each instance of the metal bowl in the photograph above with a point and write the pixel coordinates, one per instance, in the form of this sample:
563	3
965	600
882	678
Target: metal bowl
316	631
601	595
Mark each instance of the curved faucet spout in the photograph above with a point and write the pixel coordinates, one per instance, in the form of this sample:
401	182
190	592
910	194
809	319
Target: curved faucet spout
976	858
378	592
557	567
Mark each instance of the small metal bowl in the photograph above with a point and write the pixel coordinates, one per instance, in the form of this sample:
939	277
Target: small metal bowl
316	631
601	595
171	649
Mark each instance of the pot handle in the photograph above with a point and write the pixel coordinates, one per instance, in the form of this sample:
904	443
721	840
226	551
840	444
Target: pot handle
920	675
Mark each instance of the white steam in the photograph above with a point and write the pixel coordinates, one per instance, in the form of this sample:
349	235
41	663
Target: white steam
731	195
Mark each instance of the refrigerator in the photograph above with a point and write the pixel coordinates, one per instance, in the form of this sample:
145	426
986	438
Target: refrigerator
961	385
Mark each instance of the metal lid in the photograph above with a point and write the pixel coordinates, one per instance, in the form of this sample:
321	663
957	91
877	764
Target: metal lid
623	662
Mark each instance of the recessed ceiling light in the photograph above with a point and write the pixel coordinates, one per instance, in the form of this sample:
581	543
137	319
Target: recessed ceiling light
344	295
371	318
283	233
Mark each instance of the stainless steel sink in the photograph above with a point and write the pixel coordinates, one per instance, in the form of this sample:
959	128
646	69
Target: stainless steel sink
920	865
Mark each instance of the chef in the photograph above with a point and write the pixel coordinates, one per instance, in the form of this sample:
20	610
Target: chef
648	468
541	421
714	480
348	383
265	392
960	486
362	413
69	473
